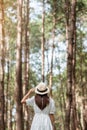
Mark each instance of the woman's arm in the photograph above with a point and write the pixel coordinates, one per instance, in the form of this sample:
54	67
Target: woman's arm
27	95
52	118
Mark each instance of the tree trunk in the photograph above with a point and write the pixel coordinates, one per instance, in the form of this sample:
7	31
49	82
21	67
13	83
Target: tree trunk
53	46
85	113
18	90
73	30
6	91
10	115
43	40
69	70
70	117
51	70
26	58
7	85
2	60
26	48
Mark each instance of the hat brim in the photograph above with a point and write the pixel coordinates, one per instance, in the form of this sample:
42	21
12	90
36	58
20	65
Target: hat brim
41	92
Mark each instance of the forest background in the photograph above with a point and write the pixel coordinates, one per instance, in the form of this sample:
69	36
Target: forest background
43	40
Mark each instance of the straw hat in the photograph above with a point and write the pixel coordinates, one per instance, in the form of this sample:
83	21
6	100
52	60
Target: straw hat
41	89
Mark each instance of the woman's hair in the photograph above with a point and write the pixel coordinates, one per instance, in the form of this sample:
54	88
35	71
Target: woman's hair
41	100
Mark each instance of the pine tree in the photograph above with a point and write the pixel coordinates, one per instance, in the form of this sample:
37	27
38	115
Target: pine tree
2	64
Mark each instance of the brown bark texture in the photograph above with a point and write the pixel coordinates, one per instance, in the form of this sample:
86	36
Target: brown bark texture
26	60
70	14
2	62
43	40
18	89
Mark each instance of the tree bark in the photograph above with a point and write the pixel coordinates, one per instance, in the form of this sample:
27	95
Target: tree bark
73	30
10	115
26	58
7	84
53	46
85	113
2	63
43	40
70	116
18	89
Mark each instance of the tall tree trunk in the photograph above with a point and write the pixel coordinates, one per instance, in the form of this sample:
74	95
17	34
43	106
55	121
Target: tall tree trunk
73	34
10	115
6	91
7	85
85	112
43	39
81	122
26	58
69	70
62	100
70	117
53	46
18	89
51	70
2	62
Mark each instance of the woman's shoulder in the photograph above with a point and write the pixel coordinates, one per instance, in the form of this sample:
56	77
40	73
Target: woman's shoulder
52	106
51	99
30	101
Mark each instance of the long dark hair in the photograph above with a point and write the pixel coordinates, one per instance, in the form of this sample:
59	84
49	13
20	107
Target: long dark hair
41	100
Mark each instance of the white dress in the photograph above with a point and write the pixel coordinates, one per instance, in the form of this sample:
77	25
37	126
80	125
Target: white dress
41	120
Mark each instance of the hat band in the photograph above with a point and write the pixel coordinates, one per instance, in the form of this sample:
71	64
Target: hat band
42	90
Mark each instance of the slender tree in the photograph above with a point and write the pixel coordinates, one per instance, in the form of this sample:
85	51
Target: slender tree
26	46
43	38
73	29
18	89
10	115
26	56
70	11
53	46
7	83
2	63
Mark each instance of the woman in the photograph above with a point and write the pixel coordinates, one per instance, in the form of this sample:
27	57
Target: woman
43	105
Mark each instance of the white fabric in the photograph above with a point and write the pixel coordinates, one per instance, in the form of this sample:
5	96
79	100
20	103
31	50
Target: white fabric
41	120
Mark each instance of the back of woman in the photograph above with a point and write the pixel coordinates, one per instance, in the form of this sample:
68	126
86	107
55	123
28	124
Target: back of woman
43	106
41	100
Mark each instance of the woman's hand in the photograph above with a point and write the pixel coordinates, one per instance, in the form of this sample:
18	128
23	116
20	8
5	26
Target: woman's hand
27	95
22	101
32	90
